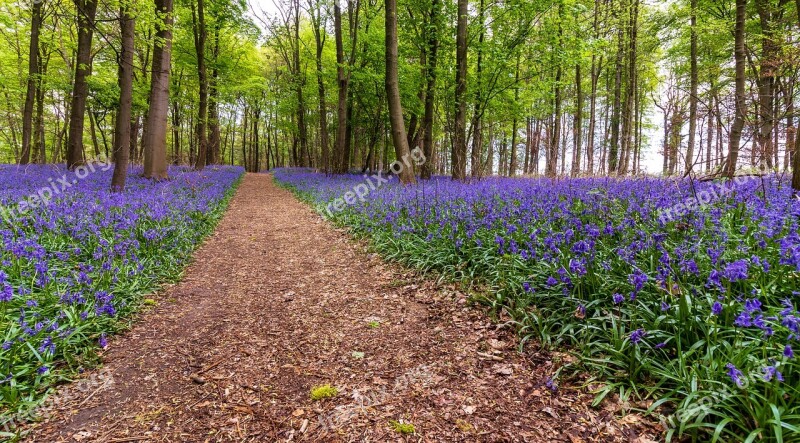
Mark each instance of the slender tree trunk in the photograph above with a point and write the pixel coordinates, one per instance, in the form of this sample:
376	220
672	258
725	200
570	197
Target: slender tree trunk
155	133
629	122
741	103
200	37
693	88
615	111
796	156
122	129
34	80
430	93
596	71
213	105
769	65
459	154
87	9
93	132
477	112
340	165
577	132
513	165
552	158
319	39
406	174
40	154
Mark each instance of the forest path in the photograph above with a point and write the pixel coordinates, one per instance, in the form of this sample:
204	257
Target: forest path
277	302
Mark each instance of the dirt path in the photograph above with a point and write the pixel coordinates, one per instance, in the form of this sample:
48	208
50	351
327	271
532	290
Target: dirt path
278	302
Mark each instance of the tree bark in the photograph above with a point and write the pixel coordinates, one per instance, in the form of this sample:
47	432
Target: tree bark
34	80
340	165
459	154
87	9
552	157
693	88
122	130
512	167
615	110
155	133
200	37
768	66
796	156
477	112
406	174
577	131
214	137
741	103
319	38
430	93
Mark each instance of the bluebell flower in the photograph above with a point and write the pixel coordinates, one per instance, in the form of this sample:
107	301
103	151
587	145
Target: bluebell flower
771	372
638	335
736	375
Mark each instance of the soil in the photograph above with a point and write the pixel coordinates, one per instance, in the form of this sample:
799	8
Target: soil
278	302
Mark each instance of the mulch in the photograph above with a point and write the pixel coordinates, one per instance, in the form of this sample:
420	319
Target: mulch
277	302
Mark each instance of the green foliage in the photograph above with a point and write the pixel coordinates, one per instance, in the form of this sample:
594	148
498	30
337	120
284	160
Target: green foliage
323	392
401	427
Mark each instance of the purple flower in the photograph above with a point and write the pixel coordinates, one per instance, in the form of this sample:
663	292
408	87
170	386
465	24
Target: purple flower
551	281
752	305
735	375
743	320
550	384
771	372
618	298
664	306
788	352
47	346
7	293
737	270
716	308
637	336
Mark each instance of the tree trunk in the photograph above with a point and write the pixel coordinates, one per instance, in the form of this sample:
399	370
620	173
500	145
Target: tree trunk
406	174
796	156
513	164
155	133
340	165
577	132
741	103
122	130
552	155
200	37
693	88
213	106
87	9
430	93
615	111
477	112
319	38
459	154
769	64
34	80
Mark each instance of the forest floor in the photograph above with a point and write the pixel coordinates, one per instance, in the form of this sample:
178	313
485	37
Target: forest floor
278	302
